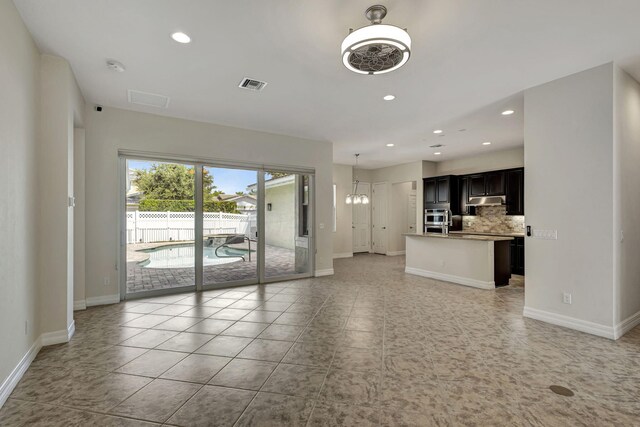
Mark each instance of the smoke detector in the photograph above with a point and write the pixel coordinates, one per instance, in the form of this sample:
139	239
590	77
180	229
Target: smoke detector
252	84
114	65
377	48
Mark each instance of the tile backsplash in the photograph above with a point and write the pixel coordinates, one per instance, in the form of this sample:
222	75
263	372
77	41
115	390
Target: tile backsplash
493	219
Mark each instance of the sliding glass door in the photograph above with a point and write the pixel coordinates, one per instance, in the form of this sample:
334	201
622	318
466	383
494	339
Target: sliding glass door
230	226
287	220
202	226
159	246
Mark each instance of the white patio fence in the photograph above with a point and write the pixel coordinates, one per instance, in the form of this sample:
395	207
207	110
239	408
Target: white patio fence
148	227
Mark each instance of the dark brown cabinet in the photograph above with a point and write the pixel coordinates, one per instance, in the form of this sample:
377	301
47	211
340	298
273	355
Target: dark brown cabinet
463	189
494	183
517	255
477	185
444	192
441	192
430	191
486	184
515	191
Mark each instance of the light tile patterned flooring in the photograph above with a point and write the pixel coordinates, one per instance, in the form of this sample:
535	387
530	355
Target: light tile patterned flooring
368	346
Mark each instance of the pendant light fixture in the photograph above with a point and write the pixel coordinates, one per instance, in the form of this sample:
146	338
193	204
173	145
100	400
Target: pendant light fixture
377	48
355	197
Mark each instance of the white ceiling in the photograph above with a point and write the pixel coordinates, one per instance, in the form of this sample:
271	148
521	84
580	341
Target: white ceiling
470	60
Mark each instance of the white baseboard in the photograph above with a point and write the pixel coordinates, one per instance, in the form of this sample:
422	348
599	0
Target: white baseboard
79	305
325	272
451	278
58	337
570	322
343	255
14	377
626	325
103	300
395	253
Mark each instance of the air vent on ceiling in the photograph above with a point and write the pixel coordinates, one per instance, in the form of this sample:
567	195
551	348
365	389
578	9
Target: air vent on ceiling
252	84
436	145
148	99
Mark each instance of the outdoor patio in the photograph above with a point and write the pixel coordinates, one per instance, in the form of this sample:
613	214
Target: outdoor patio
279	262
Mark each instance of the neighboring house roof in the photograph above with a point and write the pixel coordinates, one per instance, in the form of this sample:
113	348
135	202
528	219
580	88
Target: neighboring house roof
275	182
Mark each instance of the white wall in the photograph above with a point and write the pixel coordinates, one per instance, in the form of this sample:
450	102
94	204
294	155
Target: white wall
281	221
627	195
61	107
115	129
19	203
399	215
78	217
569	174
495	160
343	236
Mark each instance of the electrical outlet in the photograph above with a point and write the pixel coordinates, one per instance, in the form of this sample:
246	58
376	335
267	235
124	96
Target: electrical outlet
566	298
106	281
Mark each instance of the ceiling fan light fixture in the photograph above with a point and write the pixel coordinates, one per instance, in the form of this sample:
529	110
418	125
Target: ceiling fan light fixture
377	48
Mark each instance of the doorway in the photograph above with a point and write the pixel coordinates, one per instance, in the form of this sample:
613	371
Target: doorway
194	226
361	221
379	210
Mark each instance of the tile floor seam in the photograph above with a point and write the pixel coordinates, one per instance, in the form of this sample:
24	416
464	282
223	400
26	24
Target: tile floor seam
270	375
315	401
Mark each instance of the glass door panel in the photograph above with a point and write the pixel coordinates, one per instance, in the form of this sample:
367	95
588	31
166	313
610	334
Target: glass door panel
159	246
230	226
287	224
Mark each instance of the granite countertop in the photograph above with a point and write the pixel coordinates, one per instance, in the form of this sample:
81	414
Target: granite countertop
477	237
479	233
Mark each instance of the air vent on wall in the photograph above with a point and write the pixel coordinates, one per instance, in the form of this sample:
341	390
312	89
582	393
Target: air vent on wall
436	145
252	84
148	99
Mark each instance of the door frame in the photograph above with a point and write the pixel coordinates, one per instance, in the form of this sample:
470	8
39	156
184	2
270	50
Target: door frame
369	222
199	163
386	217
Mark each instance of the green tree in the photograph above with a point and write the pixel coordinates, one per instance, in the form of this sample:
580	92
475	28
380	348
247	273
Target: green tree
170	181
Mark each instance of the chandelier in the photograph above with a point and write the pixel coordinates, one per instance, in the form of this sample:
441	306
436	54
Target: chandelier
355	197
377	48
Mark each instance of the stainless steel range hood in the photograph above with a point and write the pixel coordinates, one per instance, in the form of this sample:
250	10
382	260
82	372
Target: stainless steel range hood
487	201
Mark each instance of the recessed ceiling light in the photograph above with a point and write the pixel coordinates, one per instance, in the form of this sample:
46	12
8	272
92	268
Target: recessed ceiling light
390	145
389	97
438	131
507	112
437	153
486	143
181	37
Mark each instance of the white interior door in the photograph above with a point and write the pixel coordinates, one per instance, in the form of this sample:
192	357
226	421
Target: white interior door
411	212
361	225
379	208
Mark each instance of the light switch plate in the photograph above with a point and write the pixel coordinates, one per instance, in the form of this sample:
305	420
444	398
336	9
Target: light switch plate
545	234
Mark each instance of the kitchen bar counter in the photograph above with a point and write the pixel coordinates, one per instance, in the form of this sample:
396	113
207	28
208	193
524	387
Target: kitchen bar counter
453	235
479	233
472	260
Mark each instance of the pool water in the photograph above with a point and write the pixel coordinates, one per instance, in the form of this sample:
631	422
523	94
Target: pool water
183	256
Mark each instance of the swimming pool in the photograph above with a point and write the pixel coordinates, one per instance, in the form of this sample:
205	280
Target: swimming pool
183	256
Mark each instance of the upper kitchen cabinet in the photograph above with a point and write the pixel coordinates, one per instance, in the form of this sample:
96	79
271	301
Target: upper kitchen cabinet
463	191
487	184
515	191
477	185
440	191
494	183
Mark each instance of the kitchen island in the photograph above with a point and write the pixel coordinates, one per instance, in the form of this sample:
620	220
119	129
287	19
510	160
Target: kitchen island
471	260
